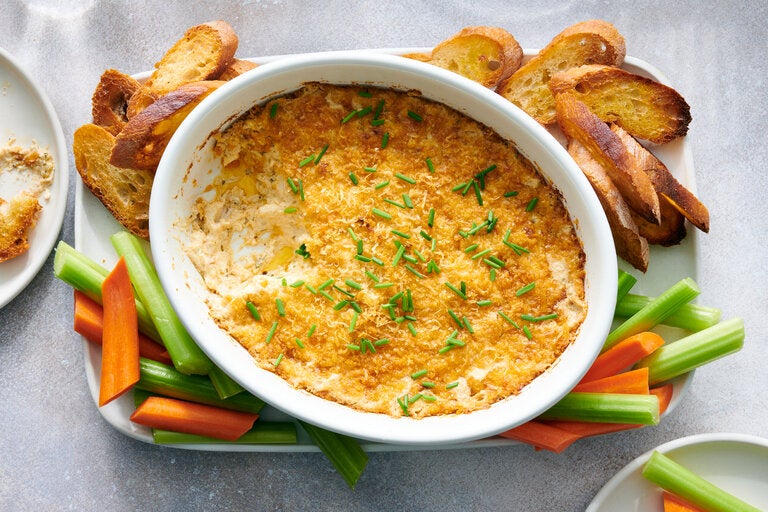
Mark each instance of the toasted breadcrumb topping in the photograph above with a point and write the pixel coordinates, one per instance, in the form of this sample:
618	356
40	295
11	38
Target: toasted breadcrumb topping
386	252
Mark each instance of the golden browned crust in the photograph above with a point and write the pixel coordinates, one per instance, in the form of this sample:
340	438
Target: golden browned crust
141	142
251	204
587	42
484	54
109	103
630	244
17	217
237	68
645	108
578	122
124	192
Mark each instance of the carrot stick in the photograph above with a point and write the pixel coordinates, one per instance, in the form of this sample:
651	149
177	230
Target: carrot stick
89	323
631	382
120	340
674	504
541	435
583	429
623	355
664	393
191	418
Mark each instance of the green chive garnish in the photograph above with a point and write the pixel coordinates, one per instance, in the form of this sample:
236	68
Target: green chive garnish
405	178
414	271
299	343
480	254
297	284
456	319
384	140
311	330
326	284
400	234
527	332
525	289
452	385
353	284
280	307
353	347
429	385
365	94
418	374
290	209
484	302
478	196
353	178
383	285
349	116
254	312
511	193
491	263
532	204
278	360
398	255
456	290
531	318
509	320
407	200
353	322
430	165
364	111
271	332
307	160
322	152
431	220
293	186
373	276
273	110
381	185
381	213
379	109
382	341
301	190
468	325
412	328
416	117
394	203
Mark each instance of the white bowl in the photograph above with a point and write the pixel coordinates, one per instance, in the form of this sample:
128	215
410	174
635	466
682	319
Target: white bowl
185	169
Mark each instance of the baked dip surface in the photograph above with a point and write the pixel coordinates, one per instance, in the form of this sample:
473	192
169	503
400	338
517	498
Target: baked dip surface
386	252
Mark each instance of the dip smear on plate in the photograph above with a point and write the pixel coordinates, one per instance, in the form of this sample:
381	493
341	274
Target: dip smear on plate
386	252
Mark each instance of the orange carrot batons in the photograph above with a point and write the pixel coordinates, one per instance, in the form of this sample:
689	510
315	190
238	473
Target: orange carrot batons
623	355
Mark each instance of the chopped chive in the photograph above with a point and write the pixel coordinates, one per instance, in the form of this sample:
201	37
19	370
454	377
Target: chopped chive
280	306
398	255
254	312
283	282
293	186
359	244
354	305
377	261
353	178
431	219
297	284
382	341
342	290
445	349
414	271
491	263
326	284
373	276
531	318
485	171
472	248
497	261
532	204
410	259
517	248
383	285
369	169
327	295
364	111
468	325
405	178
379	109
307	160
452	385
416	117
365	94
426	236
525	289
456	290
418	374
381	185
511	193
412	328
352	234
484	302
381	213
466	187
480	254
273	110
348	117
322	152
301	189
478	195
271	332
429	385
367	346
456	319
351	346
311	289
384	140
311	331
299	343
403	402
394	203
458	187
492	275
278	360
430	165
377	122
290	209
415	398
527	332
407	200
419	255
353	284
463	287
353	322
400	233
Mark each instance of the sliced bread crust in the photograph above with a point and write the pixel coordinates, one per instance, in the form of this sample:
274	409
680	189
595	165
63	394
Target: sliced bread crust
109	103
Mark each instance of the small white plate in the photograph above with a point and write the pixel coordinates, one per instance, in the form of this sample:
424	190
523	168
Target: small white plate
27	116
737	463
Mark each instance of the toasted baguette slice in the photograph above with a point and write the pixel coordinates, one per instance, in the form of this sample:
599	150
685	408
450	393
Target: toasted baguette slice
630	244
486	55
17	217
645	108
664	182
587	42
236	68
203	53
578	122
109	104
670	231
143	139
421	57
124	192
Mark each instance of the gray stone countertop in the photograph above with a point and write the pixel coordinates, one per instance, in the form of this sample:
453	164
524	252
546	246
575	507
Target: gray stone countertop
59	454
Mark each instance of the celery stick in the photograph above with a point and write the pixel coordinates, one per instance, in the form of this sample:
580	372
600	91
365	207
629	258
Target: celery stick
224	384
681	481
83	274
605	408
167	381
655	312
187	357
691	317
344	452
626	282
263	432
697	349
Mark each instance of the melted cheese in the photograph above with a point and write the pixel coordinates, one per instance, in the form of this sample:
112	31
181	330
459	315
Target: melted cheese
379	314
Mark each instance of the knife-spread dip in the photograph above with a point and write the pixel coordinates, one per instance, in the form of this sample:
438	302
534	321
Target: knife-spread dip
386	252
